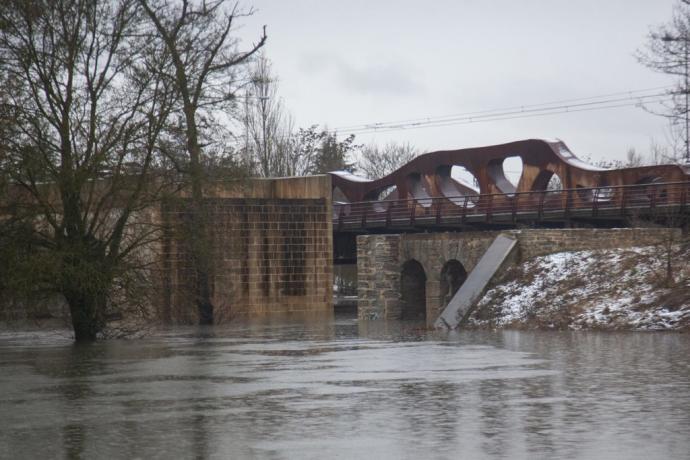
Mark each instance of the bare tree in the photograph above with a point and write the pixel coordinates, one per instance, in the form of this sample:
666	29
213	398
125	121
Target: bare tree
376	162
672	243
277	149
667	51
204	61
78	150
267	125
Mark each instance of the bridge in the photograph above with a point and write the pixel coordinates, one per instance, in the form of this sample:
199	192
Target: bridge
554	188
409	267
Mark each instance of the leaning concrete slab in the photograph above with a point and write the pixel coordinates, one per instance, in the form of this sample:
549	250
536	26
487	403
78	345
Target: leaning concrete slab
462	303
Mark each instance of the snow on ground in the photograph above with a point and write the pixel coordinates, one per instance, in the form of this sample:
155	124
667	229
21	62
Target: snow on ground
613	289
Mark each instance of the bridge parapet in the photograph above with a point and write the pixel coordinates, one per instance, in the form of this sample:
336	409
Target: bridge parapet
610	202
553	184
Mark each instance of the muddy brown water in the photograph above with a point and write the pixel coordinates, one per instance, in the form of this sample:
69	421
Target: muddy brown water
338	389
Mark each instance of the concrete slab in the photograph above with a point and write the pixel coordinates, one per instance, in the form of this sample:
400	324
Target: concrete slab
463	302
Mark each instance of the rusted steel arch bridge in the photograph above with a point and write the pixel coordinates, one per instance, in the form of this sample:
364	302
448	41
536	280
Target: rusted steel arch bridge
554	188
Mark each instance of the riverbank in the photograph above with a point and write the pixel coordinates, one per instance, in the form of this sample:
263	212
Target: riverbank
620	289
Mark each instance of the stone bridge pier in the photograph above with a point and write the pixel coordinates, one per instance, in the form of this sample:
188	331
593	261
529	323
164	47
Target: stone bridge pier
413	276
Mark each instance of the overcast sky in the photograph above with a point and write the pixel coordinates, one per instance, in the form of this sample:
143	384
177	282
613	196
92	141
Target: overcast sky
343	63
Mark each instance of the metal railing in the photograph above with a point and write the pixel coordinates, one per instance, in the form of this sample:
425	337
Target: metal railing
609	201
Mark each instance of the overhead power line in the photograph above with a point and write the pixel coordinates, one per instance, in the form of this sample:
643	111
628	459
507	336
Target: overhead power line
608	101
630	93
602	102
506	116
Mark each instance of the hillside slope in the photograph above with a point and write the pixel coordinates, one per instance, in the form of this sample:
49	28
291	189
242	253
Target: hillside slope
622	289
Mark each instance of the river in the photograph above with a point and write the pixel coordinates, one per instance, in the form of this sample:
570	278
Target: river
338	389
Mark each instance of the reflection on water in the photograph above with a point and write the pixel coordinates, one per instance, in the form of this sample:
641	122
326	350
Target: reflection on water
339	389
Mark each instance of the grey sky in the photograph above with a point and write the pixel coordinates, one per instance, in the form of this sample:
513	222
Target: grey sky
352	62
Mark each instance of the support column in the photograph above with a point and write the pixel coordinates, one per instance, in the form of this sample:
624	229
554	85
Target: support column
378	276
434	302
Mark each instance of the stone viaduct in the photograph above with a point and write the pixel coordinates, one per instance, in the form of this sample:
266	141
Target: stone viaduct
414	276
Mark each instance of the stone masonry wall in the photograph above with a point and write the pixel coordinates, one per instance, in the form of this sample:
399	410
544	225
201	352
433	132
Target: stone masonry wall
271	250
380	258
378	276
539	242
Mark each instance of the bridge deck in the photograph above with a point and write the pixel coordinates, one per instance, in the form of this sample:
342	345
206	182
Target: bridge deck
665	202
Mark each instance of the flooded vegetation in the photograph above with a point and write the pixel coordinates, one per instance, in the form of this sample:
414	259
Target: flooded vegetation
336	388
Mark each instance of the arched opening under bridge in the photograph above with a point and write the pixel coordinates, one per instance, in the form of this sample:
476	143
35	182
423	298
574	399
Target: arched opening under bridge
453	274
412	291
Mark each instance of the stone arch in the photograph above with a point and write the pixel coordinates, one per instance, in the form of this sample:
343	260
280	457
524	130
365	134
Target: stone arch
412	290
453	274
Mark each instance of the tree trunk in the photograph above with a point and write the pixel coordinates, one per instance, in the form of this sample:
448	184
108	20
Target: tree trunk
669	261
198	231
88	315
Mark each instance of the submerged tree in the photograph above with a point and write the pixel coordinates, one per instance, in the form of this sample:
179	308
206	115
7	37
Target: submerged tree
203	66
78	149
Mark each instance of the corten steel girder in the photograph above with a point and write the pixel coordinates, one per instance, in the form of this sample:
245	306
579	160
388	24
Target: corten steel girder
429	175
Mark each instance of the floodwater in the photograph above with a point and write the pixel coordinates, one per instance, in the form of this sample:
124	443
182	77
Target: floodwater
336	389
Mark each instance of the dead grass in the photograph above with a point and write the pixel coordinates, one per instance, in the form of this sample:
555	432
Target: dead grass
565	294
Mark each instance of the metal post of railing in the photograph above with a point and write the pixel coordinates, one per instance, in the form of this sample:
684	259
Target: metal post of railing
595	202
568	202
437	202
364	216
624	201
389	211
464	209
413	212
489	207
515	205
341	214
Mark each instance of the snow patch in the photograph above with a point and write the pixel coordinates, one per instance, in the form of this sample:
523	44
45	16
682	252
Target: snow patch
612	289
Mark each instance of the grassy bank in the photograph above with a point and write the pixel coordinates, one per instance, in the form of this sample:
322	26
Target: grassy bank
622	289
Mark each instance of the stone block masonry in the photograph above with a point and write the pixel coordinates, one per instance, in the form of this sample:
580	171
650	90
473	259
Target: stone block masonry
378	276
380	259
271	250
540	242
